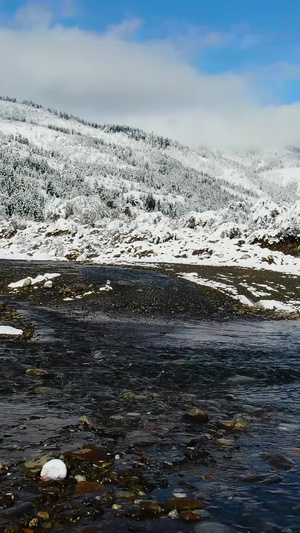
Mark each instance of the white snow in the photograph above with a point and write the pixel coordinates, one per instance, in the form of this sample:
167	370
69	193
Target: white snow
275	305
107	287
34	281
54	470
8	330
222	287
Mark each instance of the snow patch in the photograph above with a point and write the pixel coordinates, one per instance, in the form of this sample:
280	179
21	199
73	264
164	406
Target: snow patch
34	281
8	330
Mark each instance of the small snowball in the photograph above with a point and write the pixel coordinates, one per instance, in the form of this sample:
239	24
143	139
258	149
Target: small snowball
54	470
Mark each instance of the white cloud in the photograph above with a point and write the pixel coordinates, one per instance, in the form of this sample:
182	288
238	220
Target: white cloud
126	29
33	16
149	85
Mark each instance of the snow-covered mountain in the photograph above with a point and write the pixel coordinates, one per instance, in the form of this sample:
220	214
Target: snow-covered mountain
81	190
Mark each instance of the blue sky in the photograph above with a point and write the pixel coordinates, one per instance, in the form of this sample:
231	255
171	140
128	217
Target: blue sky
270	29
243	51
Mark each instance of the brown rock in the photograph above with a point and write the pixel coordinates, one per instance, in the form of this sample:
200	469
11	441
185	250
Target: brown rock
90	454
189	516
151	506
84	487
183	504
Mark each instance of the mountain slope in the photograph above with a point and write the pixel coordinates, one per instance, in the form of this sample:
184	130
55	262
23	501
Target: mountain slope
73	189
58	163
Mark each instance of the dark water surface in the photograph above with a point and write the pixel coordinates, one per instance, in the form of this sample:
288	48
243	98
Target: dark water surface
135	373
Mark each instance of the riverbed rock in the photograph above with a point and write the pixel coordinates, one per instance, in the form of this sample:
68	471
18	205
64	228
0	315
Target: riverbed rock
85	487
190	516
36	372
195	416
183	504
151	506
80	478
85	421
90	454
279	461
36	465
27	283
48	284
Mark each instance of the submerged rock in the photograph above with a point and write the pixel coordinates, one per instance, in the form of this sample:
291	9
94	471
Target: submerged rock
151	506
36	465
279	461
90	454
191	516
195	416
183	504
85	487
36	372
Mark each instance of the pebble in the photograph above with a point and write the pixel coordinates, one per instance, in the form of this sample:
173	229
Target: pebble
151	506
79	478
27	282
226	442
196	416
37	372
48	284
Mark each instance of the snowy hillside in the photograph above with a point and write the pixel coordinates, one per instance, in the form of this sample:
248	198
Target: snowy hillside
70	189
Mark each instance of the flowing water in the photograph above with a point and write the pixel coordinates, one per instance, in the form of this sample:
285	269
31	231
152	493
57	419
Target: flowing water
135	376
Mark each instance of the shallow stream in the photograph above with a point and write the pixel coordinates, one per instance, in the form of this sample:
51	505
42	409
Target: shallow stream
135	376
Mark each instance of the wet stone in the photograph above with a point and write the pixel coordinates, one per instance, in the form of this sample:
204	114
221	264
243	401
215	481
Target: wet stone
195	416
279	461
36	465
85	487
151	506
125	495
91	454
79	478
183	504
190	516
36	372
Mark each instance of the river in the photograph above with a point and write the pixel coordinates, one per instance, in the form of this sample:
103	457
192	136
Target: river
135	376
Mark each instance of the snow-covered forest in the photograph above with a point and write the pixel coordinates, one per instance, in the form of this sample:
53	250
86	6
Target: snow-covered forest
62	177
